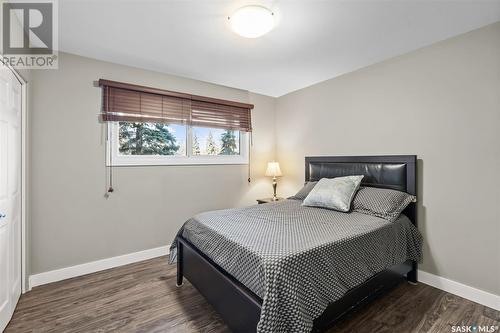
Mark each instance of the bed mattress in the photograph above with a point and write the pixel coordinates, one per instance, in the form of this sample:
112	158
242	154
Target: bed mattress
299	259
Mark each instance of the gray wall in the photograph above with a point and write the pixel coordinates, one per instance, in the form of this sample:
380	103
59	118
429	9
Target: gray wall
442	103
71	221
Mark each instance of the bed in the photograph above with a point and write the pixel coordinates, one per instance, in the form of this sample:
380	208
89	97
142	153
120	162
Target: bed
255	271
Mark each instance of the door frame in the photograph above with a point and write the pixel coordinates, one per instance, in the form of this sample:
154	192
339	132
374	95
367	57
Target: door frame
24	155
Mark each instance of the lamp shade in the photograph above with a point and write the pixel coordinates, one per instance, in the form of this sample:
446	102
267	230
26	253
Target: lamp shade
273	169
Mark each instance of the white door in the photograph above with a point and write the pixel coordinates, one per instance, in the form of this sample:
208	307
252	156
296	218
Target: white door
10	194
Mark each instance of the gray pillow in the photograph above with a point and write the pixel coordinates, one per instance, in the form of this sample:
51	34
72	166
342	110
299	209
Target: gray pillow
304	191
379	202
334	193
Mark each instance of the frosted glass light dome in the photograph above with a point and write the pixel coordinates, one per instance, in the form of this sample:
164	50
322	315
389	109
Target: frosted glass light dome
252	21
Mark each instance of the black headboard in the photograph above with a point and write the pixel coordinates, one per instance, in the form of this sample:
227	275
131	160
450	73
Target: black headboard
397	172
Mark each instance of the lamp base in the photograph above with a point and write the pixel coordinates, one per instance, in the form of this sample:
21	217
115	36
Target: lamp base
275	184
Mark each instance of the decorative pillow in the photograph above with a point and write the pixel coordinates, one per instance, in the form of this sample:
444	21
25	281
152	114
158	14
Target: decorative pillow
384	203
302	194
335	193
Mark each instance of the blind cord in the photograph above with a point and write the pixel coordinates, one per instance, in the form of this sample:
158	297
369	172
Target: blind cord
109	147
110	167
250	157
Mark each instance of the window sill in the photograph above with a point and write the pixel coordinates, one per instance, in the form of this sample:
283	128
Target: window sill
159	161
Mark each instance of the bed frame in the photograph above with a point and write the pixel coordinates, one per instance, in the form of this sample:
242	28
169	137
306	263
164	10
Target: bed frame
240	308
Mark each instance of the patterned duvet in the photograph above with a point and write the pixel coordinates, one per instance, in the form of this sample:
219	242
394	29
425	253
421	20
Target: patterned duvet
299	259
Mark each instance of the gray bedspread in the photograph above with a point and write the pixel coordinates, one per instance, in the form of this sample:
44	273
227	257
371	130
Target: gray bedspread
299	259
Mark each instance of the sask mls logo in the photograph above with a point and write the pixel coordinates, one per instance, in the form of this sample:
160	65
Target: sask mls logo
29	37
474	328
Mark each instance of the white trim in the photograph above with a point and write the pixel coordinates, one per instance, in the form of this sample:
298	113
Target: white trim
476	295
453	287
24	155
95	266
154	160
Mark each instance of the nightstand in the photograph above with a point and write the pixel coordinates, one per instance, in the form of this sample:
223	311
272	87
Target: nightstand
268	200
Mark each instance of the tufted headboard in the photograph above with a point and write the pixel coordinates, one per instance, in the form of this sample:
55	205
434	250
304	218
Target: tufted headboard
397	172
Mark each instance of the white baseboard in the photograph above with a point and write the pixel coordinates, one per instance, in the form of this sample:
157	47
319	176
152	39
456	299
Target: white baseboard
459	289
95	266
476	295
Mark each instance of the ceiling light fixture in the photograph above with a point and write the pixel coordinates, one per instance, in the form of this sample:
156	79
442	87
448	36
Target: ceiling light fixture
252	21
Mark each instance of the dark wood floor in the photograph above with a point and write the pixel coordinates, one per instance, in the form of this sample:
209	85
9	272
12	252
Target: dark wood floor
142	297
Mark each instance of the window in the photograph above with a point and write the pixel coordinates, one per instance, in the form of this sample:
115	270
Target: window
162	144
214	141
151	139
148	126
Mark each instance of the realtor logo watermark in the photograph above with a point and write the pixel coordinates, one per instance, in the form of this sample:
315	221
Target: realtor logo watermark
29	34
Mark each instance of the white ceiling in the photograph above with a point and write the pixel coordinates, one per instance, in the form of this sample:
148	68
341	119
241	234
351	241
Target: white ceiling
313	41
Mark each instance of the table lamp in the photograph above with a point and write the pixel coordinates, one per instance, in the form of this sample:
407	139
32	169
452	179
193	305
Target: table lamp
273	170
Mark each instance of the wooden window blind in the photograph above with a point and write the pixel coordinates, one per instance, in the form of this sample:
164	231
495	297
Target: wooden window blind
205	114
133	103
